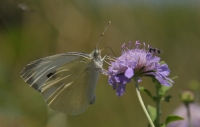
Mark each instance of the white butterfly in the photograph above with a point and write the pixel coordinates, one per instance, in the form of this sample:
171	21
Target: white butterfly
67	81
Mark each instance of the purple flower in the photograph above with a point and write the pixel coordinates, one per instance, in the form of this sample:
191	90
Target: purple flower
135	63
182	112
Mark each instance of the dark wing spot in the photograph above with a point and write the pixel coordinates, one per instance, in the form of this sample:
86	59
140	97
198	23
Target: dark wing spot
50	74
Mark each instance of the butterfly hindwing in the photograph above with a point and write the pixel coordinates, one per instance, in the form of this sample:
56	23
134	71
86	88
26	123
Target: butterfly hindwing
71	88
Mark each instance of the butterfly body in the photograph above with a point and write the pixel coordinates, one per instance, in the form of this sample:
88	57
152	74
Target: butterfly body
67	81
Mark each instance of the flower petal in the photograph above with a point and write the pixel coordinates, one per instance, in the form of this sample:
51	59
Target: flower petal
120	90
112	82
164	70
129	73
122	79
162	81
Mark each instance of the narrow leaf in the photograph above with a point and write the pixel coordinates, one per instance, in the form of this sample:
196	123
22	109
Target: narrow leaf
145	90
170	119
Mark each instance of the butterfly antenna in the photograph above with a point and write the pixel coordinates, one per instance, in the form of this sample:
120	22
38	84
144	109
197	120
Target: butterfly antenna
102	34
110	49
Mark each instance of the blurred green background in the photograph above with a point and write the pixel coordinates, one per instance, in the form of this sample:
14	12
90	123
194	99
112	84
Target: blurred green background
32	29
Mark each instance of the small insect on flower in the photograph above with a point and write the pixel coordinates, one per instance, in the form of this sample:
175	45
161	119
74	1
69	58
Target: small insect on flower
154	50
135	63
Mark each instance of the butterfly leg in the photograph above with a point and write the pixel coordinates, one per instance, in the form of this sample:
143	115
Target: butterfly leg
103	58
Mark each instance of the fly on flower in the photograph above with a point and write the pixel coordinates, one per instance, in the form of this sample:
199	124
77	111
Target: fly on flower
135	63
154	50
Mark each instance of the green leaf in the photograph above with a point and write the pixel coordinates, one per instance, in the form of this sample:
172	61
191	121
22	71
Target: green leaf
167	98
170	119
152	112
145	90
163	90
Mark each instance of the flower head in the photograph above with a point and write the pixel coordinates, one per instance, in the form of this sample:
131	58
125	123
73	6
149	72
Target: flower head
187	96
135	63
194	116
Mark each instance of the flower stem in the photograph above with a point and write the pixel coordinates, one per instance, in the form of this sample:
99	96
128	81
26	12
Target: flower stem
157	107
142	103
189	115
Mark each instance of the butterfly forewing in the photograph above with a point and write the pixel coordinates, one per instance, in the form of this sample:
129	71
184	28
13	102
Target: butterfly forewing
66	81
38	71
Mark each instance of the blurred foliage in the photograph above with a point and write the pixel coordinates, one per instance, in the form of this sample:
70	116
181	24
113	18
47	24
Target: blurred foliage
39	28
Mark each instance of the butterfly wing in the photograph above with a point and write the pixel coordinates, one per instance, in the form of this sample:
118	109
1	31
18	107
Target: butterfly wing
67	85
38	71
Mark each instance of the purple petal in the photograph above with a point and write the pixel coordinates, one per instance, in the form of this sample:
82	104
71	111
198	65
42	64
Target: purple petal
164	70
122	79
129	73
121	85
151	59
120	90
117	78
162	81
155	59
112	82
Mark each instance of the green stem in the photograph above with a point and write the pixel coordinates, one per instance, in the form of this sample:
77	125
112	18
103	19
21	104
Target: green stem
189	115
157	107
142	103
